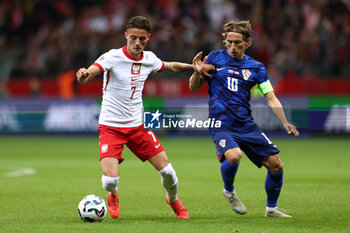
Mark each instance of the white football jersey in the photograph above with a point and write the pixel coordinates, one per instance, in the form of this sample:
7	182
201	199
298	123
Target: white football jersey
123	82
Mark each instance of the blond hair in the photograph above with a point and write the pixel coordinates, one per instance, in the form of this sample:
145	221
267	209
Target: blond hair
242	27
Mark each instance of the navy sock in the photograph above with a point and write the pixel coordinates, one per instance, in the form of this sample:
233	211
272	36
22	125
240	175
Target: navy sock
228	172
273	185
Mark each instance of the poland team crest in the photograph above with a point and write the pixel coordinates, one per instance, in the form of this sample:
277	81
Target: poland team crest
246	73
136	68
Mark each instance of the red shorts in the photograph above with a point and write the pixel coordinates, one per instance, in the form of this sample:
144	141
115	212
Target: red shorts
142	142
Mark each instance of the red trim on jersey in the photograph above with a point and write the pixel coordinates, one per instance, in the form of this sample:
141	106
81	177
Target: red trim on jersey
161	68
129	56
99	66
217	153
108	75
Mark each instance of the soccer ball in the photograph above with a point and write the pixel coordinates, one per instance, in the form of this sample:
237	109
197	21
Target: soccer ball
92	208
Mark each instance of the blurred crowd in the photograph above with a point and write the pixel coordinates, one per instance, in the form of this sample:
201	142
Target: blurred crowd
45	38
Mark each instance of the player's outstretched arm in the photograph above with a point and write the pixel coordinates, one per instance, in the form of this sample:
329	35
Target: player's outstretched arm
277	109
177	67
83	75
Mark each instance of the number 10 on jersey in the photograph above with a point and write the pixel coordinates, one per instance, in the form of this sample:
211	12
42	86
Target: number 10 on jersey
232	84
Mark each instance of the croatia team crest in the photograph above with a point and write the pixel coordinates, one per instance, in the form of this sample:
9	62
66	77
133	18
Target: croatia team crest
246	74
222	143
136	68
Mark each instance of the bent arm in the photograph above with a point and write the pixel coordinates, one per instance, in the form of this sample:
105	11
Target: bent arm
196	81
277	109
83	75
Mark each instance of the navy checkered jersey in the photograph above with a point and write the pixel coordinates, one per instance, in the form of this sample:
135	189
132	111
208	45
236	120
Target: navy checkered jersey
229	89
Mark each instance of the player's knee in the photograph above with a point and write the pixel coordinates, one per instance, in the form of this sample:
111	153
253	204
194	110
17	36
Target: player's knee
233	155
110	183
277	167
159	161
280	167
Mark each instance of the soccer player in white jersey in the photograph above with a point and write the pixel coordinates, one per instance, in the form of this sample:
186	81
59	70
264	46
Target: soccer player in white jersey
124	73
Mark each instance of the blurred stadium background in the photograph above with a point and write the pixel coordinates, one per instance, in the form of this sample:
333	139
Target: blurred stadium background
304	45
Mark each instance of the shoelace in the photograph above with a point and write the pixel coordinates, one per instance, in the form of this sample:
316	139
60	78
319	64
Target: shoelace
282	210
232	198
278	209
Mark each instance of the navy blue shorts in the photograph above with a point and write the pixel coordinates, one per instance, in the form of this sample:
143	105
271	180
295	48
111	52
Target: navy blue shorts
255	144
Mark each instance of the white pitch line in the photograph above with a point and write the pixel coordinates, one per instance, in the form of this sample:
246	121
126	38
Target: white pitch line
20	171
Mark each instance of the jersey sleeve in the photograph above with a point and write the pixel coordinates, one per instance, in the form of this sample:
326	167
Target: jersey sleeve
158	65
264	85
104	62
211	57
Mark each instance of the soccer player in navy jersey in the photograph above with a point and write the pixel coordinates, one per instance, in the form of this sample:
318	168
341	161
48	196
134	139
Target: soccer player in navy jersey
229	89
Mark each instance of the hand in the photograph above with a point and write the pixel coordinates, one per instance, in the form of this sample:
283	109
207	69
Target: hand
200	66
207	68
291	130
82	75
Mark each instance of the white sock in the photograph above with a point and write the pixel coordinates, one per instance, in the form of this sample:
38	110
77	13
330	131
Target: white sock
110	183
169	182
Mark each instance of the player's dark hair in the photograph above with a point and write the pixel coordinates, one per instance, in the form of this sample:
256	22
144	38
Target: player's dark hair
139	22
243	27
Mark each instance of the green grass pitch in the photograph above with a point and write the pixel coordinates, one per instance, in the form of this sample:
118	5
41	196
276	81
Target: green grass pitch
43	178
